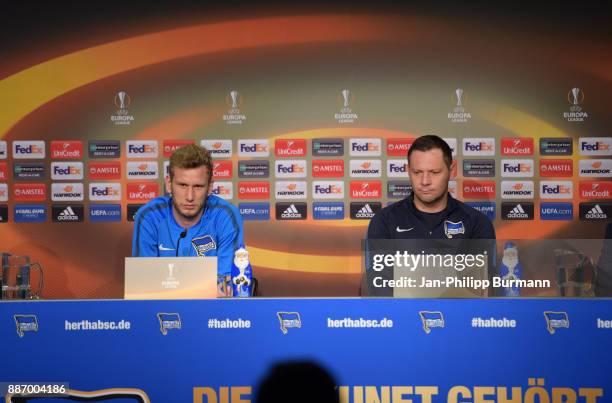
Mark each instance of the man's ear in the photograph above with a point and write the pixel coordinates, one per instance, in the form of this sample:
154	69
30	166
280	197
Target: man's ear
168	184
453	169
210	187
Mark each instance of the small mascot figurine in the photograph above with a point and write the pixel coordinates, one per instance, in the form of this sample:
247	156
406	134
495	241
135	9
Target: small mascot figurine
242	273
511	269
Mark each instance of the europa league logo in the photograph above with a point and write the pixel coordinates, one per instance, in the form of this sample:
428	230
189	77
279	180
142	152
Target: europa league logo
347	97
460	100
122	100
233	100
575	97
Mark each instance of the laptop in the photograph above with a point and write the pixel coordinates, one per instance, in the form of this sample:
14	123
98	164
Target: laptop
170	278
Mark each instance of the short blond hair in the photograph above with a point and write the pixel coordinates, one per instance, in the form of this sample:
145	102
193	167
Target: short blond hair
191	156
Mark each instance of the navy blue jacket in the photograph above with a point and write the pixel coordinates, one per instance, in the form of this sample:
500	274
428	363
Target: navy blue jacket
402	220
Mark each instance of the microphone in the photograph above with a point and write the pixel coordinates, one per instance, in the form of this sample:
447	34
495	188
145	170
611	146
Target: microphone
183	234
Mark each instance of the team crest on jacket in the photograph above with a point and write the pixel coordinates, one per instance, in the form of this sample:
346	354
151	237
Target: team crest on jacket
453	228
203	244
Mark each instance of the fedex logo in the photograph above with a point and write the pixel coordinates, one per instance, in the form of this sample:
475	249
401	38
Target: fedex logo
290	148
595	189
290	169
104	191
366	189
327	168
399	147
142	149
224	190
66	170
218	148
171	146
479	146
66	149
222	169
253	148
517	146
556	189
397	168
28	149
328	189
365	147
517	168
601	146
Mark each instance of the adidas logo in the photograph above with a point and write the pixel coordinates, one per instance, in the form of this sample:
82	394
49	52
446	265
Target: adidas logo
596	212
67	215
365	212
291	212
518	212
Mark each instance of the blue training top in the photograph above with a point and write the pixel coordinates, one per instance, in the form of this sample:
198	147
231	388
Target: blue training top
218	233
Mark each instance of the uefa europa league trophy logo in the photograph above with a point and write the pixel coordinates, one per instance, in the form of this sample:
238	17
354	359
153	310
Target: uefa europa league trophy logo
346	97
575	97
234	99
122	100
460	100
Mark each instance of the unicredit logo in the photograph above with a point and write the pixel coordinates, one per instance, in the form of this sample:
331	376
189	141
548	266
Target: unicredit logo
66	149
517	146
363	190
596	190
290	148
222	169
142	191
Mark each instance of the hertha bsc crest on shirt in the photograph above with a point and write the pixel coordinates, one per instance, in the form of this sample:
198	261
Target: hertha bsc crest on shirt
203	244
453	228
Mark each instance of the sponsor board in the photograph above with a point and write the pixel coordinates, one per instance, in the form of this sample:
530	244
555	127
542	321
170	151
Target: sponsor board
365	168
598	146
398	189
478	168
104	170
67	192
556	211
26	213
290	169
328	190
218	148
517	211
556	146
595	189
327	168
364	211
66	170
399	147
222	169
479	146
328	210
253	148
67	213
28	149
328	147
514	168
104	212
104	149
452	143
66	149
131	211
4	214
224	190
3	150
3	171
29	192
595	168
365	147
253	190
142	170
397	168
517	190
290	148
254	169
288	190
291	211
479	189
366	189
104	191
556	168
29	171
142	191
142	148
3	192
486	208
516	146
595	211
556	190
254	211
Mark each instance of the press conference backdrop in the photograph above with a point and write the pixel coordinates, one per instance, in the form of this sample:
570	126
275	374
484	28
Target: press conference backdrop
309	119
